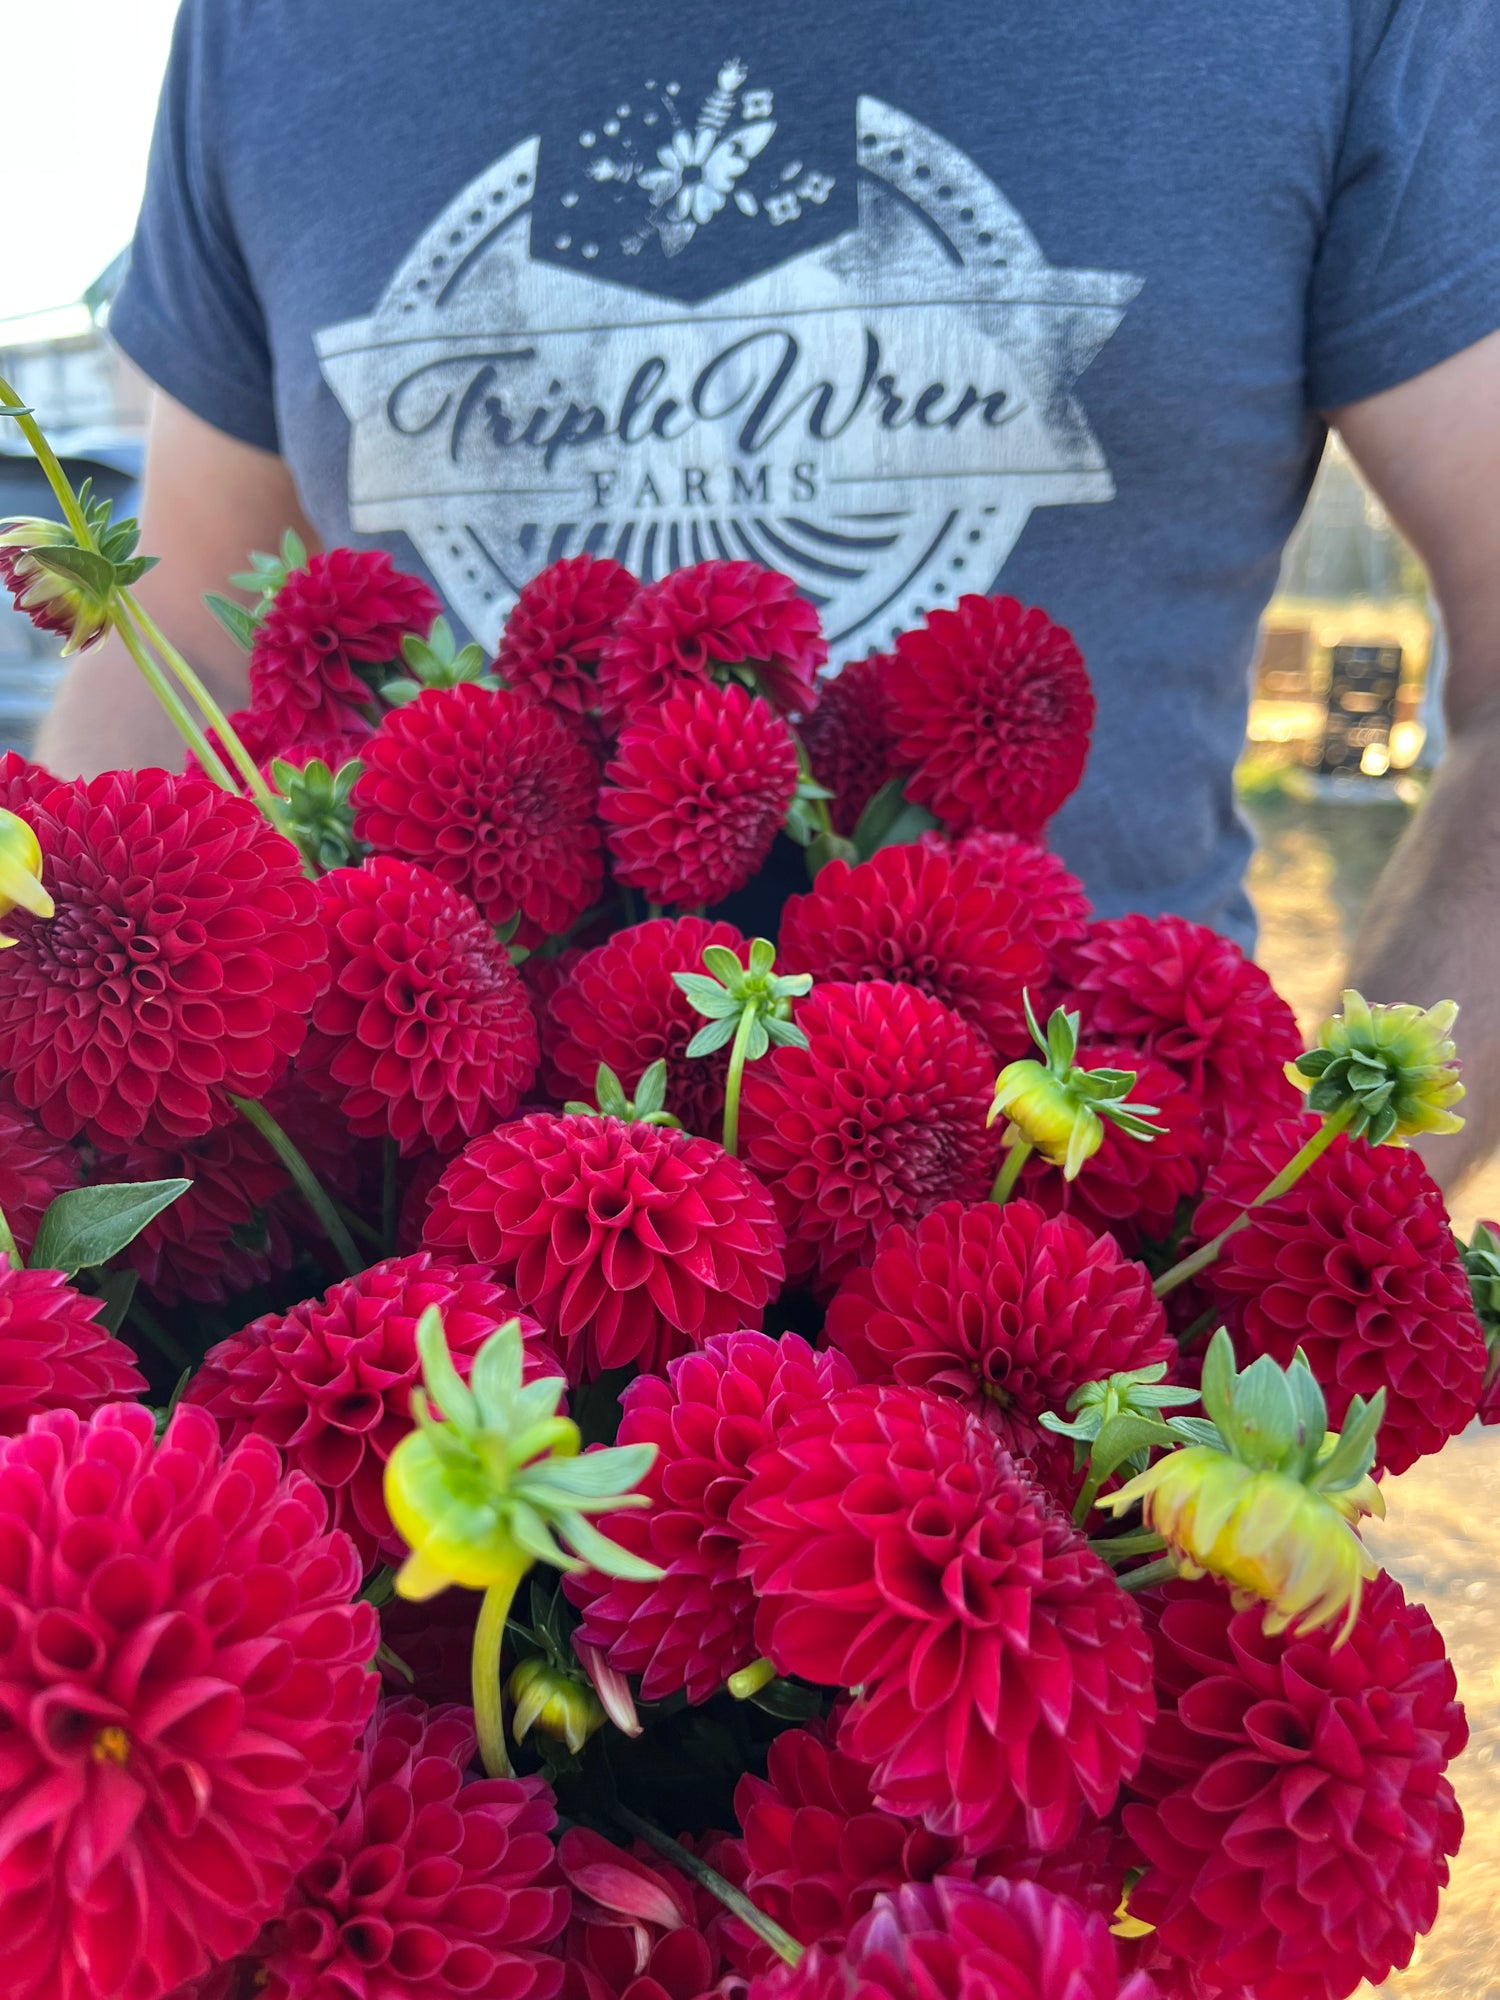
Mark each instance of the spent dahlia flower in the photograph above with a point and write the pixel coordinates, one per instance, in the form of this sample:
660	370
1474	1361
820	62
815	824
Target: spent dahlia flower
558	627
695	794
495	794
54	1354
848	739
186	1682
630	1243
425	1034
992	711
433	1884
181	965
35	1168
1056	908
342	610
1357	1266
896	1548
876	1121
709	621
1292	1808
638	1931
695	1626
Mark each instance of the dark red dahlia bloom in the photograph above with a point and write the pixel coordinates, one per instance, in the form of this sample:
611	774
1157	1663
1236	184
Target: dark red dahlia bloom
879	1119
265	738
1182	993
433	1884
992	711
425	1034
493	793
1356	1265
947	1940
638	1929
1293	1809
848	739
926	918
1056	905
344	609
696	792
182	964
54	1354
696	1626
560	623
895	1547
184	1682
35	1168
696	623
1005	1308
621	1005
630	1243
330	1382
22	784
434	1643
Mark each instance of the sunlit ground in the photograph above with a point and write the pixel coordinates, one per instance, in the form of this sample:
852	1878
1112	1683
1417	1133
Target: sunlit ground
1442	1537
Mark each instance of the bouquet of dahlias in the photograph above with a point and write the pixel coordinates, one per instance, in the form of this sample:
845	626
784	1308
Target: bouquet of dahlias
562	1435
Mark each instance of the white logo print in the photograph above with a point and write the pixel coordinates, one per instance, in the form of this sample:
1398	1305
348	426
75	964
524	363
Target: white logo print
877	415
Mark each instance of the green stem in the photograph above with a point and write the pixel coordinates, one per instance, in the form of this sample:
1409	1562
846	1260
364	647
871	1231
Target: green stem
177	710
388	1197
655	910
357	1226
765	1928
1152	1574
489	1695
1083	1506
1122	1548
158	1336
8	1243
732	1083
51	465
1016	1157
1189	1267
306	1181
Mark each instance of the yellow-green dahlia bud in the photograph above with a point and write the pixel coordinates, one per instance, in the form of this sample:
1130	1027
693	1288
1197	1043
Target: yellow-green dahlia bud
554	1704
1056	1108
61	586
20	871
1390	1072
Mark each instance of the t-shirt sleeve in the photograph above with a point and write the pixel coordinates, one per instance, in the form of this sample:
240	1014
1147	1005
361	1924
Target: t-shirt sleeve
187	312
1408	272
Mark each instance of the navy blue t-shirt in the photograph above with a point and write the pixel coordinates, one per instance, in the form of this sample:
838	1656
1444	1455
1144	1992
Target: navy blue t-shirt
903	301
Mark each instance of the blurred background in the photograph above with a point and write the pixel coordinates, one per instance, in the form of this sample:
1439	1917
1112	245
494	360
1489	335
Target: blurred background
1344	729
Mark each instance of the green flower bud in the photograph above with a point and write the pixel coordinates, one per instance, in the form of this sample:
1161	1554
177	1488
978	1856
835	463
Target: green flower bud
1391	1072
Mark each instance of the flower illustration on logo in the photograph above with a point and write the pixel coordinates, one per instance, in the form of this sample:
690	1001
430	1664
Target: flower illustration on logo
697	169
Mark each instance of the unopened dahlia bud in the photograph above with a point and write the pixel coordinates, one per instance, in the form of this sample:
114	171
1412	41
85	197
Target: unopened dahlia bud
554	1704
318	815
1387	1073
65	585
1057	1109
20	871
1482	1263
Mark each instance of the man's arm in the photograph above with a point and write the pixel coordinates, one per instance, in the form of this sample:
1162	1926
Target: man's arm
1431	450
207	501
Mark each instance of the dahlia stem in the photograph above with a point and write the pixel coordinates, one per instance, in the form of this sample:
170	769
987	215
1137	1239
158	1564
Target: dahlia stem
655	910
765	1928
357	1226
1083	1506
1016	1157
1147	1578
489	1695
8	1243
177	711
158	1336
1189	1267
737	1056
48	460
392	1156
307	1183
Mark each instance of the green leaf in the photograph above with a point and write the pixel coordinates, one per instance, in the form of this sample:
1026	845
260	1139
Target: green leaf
713	1035
608	1093
86	566
757	1041
706	995
293	550
1218	1380
786	1034
651	1091
725	965
788	1701
879	815
88	1226
1197	1430
235	619
762	956
400	691
1123	1435
439	1374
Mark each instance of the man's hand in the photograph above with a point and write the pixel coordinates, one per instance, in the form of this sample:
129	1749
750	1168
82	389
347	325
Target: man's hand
1431	450
207	502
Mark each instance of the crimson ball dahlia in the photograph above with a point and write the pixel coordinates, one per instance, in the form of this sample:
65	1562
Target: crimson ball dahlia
992	711
630	1243
35	1168
695	794
638	1930
493	793
620	1005
704	622
876	1121
1292	1807
848	739
895	1547
1356	1265
54	1354
1182	993
1054	900
425	1035
433	1884
695	1626
343	610
184	1682
265	737
560	623
329	1383
22	784
926	918
182	964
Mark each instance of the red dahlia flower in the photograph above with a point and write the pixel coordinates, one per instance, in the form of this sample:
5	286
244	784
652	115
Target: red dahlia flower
922	917
848	739
35	1169
425	1034
638	1931
1056	906
560	623
696	624
895	1547
182	963
696	793
621	1005
22	784
992	710
630	1243
1295	1816
949	1940
1182	993
344	609
54	1354
1356	1265
434	1883
493	793
330	1382
185	1682
876	1121
696	1626
265	737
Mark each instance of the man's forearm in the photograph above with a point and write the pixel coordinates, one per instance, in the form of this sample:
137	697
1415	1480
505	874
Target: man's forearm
105	718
